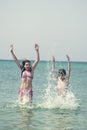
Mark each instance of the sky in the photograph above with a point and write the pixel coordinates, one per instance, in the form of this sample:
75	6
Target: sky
59	27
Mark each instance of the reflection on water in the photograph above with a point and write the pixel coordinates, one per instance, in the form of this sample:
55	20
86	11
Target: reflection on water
45	119
26	116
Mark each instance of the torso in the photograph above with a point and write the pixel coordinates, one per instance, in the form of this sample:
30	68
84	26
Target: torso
62	85
27	78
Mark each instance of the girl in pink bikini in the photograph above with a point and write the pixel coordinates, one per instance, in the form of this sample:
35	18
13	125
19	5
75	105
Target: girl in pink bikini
27	71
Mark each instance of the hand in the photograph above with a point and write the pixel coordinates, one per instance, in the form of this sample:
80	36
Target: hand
36	47
68	57
11	47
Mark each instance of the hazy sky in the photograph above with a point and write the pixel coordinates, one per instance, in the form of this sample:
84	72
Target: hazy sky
58	26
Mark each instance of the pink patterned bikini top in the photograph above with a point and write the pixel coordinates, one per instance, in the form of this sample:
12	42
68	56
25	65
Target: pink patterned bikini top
26	74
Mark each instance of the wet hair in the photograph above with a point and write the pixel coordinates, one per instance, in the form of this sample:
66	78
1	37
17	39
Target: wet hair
23	62
23	68
62	72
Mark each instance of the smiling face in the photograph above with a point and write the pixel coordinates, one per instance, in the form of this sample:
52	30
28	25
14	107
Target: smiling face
26	64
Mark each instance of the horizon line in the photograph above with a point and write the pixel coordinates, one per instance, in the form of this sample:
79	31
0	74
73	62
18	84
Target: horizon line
40	60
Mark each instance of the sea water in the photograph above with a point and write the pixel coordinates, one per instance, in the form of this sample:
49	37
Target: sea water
48	111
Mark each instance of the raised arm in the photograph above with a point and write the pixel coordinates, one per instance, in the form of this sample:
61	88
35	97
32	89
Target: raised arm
53	63
69	66
53	67
37	56
14	57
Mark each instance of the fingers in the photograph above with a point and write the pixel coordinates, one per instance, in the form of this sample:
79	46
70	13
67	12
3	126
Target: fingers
67	57
36	47
11	45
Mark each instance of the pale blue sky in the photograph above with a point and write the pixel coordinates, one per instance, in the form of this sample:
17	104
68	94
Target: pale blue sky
58	26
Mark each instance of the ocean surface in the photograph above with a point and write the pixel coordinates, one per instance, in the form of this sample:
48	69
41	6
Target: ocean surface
48	111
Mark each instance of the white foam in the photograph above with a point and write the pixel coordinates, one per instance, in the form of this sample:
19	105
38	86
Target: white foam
52	100
67	102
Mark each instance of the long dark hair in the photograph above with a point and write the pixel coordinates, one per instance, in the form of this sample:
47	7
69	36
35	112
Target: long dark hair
23	68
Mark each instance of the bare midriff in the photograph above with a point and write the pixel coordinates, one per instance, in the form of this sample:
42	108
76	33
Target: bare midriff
26	83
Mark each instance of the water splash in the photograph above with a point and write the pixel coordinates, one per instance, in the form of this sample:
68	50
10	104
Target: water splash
51	98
